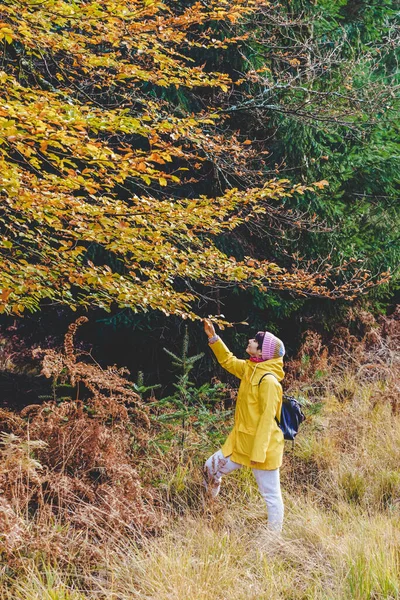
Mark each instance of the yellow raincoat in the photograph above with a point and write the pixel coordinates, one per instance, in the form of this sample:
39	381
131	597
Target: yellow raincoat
255	435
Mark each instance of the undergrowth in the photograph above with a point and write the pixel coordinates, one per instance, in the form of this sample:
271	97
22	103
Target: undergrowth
101	491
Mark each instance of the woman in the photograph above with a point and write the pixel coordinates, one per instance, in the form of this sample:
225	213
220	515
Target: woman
255	441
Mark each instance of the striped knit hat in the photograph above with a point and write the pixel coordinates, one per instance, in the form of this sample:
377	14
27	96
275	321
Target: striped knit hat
271	346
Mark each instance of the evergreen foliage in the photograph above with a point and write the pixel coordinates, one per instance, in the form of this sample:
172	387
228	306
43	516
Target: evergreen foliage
143	152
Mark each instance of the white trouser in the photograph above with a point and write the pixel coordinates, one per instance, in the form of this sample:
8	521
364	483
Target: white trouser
268	485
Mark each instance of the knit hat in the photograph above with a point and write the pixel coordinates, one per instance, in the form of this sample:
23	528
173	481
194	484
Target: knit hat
271	346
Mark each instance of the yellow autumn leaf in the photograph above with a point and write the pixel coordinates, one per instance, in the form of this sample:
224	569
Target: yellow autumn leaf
321	184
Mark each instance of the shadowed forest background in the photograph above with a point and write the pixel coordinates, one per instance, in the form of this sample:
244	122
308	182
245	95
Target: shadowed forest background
161	162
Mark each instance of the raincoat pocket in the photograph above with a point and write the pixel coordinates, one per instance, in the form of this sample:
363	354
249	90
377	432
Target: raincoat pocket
245	439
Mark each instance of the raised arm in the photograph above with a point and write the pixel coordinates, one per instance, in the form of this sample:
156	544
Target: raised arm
223	355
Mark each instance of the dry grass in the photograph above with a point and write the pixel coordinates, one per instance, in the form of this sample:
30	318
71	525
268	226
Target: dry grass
339	554
341	489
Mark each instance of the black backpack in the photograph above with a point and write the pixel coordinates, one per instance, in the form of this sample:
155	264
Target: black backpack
291	414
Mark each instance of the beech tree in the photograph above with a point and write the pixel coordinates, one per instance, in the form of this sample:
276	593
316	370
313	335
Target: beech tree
95	151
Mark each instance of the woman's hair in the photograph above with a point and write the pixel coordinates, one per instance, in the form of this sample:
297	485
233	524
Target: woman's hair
259	337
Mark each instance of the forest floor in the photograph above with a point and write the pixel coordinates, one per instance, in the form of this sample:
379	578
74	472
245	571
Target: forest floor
341	535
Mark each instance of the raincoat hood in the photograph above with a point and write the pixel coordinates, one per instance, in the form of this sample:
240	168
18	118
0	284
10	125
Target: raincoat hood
273	365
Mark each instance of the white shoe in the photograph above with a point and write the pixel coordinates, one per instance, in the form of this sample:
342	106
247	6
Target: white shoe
212	488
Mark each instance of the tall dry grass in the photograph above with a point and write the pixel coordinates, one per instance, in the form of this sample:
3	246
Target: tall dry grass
341	489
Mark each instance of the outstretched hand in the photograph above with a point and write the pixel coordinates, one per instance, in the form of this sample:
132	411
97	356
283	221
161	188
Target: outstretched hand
209	328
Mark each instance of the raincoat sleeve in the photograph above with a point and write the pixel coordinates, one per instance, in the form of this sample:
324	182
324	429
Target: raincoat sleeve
270	399
227	360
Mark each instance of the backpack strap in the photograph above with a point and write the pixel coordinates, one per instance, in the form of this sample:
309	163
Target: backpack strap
269	373
261	378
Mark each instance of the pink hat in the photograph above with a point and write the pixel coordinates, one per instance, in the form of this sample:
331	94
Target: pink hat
271	346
